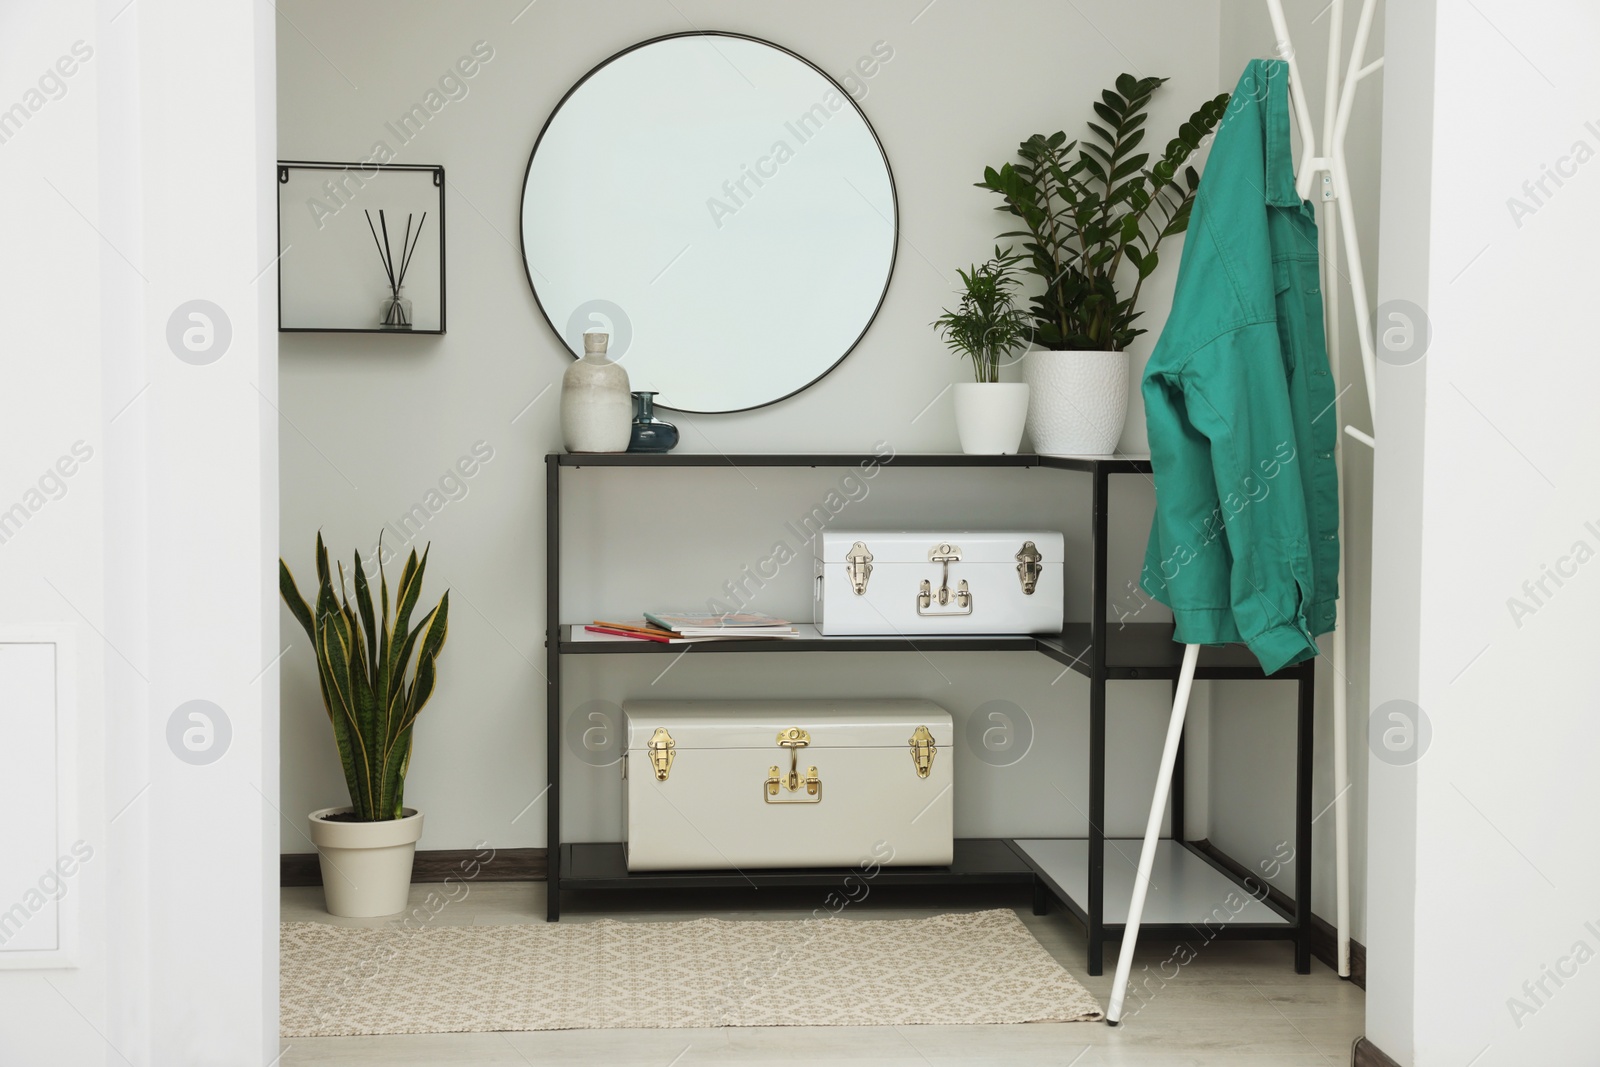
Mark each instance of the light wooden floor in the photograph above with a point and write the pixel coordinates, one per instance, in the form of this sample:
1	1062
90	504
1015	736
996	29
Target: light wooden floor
1237	1003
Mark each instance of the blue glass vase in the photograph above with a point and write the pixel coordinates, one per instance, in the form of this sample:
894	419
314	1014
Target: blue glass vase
650	434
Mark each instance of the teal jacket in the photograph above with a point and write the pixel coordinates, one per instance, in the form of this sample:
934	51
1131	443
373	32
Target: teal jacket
1240	404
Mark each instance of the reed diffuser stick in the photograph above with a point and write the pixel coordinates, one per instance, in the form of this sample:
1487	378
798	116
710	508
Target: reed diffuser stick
387	270
405	263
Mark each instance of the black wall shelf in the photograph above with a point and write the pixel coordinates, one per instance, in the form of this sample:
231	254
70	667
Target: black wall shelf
330	277
1099	650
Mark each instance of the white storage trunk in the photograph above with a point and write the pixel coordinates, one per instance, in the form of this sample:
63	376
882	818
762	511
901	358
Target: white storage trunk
990	582
802	783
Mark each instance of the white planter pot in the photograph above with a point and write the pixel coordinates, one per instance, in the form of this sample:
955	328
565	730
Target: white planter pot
366	866
1078	401
990	417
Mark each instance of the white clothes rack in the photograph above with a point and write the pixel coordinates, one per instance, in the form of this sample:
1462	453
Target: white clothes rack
1338	101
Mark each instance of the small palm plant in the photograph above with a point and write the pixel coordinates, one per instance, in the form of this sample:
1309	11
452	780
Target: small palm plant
362	665
987	324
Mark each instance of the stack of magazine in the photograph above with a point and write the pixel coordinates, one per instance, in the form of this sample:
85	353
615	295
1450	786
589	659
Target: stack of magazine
677	627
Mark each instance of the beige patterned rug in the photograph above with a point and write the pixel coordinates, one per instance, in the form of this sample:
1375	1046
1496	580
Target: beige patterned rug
949	969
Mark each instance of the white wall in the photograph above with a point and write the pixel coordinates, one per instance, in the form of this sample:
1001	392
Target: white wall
51	400
1252	742
1505	879
1404	258
155	552
371	423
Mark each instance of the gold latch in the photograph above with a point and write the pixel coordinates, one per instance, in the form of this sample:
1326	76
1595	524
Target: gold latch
1029	564
775	782
793	739
923	750
945	554
859	562
661	748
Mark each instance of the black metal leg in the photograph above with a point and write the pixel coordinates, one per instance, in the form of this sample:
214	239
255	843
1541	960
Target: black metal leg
552	659
1304	740
1041	897
1097	725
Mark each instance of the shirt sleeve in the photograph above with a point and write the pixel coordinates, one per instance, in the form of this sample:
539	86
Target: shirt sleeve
1240	425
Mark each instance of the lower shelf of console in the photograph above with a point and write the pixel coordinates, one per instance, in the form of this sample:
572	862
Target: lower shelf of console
1189	895
979	861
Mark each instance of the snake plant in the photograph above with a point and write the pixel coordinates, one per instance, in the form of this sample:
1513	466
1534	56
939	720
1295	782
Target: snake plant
362	665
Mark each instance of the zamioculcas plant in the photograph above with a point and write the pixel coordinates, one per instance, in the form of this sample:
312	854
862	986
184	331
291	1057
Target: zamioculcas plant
1093	209
362	666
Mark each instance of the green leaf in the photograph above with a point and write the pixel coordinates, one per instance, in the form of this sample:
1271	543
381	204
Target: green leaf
333	649
1131	165
427	653
297	605
406	596
368	622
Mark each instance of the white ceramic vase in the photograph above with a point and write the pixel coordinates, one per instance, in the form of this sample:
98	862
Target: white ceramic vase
1078	401
990	417
366	866
596	406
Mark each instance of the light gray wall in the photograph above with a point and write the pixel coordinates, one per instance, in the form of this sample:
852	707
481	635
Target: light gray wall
371	424
1252	743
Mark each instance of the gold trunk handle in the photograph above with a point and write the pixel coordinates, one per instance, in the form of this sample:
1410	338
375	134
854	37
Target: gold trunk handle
793	739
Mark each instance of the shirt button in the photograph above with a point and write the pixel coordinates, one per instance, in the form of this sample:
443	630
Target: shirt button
1330	537
1326	453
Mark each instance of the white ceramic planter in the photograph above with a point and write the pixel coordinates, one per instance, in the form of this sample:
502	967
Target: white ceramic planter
990	417
596	406
366	866
1077	402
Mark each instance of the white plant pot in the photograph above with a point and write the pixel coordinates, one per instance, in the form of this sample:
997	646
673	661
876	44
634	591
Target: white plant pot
366	866
1078	401
990	417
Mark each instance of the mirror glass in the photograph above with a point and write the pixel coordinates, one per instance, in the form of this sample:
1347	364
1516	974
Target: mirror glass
722	208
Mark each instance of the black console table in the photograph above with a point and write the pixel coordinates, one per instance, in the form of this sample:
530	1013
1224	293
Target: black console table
1186	902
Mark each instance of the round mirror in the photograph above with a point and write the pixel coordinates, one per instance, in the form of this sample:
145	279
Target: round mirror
722	208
